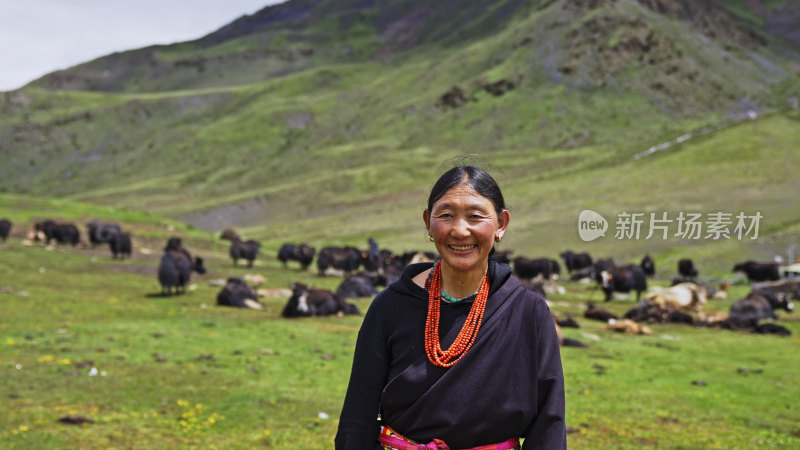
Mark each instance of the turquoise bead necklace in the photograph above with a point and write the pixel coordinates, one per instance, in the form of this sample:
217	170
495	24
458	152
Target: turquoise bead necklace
442	293
456	300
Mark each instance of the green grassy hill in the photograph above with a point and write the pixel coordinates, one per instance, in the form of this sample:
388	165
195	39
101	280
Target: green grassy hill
557	97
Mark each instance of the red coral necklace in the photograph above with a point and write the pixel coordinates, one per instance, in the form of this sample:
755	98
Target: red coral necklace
469	331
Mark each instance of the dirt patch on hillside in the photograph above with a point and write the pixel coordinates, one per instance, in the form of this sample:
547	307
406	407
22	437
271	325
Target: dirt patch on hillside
608	44
240	214
457	97
710	19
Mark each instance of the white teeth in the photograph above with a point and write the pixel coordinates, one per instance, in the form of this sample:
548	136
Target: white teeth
461	247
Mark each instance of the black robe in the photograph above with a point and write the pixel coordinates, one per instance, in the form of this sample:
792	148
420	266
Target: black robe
509	384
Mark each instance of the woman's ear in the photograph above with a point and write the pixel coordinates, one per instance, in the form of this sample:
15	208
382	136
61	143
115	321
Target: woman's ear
426	217
502	223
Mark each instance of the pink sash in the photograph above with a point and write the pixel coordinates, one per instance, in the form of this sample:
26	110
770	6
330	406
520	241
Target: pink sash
390	439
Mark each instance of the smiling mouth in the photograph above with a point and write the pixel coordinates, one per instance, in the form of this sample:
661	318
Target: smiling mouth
462	248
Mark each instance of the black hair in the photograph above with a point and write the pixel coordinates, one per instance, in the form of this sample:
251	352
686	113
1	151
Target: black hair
472	176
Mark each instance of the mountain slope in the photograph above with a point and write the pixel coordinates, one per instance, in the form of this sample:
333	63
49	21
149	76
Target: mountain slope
552	92
598	39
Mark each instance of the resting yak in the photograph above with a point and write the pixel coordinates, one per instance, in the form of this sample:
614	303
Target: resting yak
306	301
238	294
688	296
761	304
361	284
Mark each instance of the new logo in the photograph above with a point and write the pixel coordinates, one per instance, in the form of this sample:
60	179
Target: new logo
591	225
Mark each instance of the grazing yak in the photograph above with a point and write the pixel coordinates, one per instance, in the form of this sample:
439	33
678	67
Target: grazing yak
244	250
392	265
173	243
65	233
575	261
5	228
413	257
306	301
361	284
346	259
648	265
623	279
237	293
756	271
686	268
600	266
304	254
176	266
228	234
373	258
530	268
101	233
120	245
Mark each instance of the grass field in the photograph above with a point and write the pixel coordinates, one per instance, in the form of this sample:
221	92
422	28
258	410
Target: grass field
342	143
182	372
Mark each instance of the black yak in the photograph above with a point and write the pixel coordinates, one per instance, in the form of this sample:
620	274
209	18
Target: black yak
176	266
244	250
5	228
237	293
120	245
623	279
306	301
304	254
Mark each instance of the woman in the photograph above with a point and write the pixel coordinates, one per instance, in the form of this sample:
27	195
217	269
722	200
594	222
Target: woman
457	353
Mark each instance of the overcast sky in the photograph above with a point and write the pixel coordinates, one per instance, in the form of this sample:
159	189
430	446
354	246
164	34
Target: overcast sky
40	36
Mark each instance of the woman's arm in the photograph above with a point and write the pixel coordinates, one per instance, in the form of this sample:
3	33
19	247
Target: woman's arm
549	428
358	424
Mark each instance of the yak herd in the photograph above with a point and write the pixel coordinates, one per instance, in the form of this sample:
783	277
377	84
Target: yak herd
686	295
366	271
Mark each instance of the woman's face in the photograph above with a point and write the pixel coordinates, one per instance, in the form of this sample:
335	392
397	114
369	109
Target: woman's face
464	225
